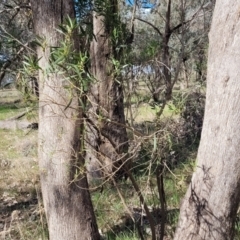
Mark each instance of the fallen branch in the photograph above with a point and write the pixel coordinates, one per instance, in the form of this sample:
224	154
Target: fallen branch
20	115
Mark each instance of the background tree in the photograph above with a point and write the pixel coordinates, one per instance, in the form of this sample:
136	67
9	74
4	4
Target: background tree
210	205
162	147
64	185
107	133
15	37
174	34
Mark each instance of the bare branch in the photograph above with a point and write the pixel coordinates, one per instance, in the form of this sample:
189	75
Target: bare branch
150	24
25	45
187	21
9	62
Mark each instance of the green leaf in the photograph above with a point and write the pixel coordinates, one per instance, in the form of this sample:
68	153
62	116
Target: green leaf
62	30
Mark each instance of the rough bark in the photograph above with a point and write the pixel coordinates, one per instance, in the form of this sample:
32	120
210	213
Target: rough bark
210	205
107	112
64	186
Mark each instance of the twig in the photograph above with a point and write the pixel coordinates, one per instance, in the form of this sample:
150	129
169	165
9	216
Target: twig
142	201
150	24
17	116
25	45
161	192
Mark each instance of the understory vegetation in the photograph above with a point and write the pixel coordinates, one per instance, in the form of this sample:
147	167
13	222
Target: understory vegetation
172	139
156	73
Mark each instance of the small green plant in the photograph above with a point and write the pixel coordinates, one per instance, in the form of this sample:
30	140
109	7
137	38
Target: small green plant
26	80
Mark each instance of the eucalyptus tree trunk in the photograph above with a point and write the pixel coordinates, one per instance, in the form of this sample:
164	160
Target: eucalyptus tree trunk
210	205
64	185
109	136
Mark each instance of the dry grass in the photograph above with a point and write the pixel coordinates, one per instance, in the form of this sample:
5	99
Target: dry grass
10	103
21	216
18	156
9	96
19	184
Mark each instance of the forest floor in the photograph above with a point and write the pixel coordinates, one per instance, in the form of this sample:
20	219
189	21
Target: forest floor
19	179
21	210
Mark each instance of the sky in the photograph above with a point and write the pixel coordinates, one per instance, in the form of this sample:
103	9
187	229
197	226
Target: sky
145	3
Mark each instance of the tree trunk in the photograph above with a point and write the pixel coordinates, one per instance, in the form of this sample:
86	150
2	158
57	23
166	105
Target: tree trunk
107	111
210	205
64	186
166	55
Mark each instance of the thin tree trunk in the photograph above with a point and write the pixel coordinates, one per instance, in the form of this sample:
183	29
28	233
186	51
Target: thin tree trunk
166	55
64	186
210	205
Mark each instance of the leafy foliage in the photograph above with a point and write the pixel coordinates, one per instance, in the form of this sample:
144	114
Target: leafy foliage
170	141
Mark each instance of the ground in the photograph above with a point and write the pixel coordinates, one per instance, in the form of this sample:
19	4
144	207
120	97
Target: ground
21	210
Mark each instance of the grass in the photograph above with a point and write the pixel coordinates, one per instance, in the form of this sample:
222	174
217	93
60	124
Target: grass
10	104
19	181
176	178
19	185
7	111
18	162
113	219
237	228
122	236
29	226
9	96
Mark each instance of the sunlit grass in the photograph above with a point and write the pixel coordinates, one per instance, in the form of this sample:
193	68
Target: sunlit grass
8	111
19	150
